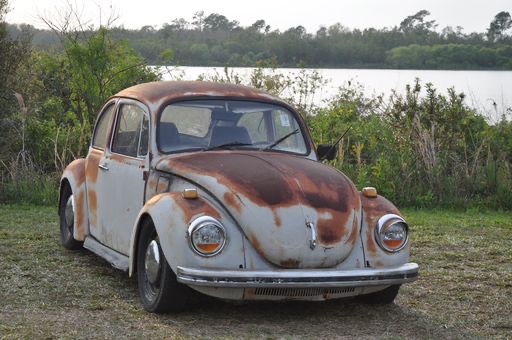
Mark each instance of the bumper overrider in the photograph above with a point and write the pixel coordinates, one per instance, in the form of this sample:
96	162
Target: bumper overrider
303	278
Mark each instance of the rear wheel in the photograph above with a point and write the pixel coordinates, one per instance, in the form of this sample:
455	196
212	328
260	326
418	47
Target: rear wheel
382	297
67	219
158	288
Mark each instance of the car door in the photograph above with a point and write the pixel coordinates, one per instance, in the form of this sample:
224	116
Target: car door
121	177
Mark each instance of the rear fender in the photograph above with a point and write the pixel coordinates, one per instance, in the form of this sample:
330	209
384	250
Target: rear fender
74	175
171	215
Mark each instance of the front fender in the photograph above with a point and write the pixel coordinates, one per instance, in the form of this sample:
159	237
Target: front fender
171	215
74	174
375	256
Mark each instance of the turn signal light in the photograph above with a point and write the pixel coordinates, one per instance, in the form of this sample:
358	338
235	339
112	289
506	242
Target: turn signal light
190	193
369	192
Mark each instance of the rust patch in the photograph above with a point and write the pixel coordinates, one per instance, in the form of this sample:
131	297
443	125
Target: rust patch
232	201
79	214
77	168
164	91
152	185
264	186
371	246
93	161
374	208
93	206
155	199
162	186
118	158
277	219
93	200
126	160
276	181
249	293
196	207
257	246
290	263
355	227
331	230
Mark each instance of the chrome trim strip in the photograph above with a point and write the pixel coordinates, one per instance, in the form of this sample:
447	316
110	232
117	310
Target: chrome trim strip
380	224
199	223
298	277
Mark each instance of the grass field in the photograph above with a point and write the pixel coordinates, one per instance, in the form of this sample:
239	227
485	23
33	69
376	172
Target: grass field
464	290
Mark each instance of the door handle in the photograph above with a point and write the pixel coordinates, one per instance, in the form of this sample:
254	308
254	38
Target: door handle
103	166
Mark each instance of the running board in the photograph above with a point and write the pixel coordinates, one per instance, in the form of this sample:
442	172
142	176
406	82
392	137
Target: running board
116	260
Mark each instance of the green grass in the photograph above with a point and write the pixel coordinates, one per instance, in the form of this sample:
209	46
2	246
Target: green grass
464	289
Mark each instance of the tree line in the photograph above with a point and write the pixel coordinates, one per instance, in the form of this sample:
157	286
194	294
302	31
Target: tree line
215	40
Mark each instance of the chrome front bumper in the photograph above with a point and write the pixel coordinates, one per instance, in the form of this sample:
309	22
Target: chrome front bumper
298	277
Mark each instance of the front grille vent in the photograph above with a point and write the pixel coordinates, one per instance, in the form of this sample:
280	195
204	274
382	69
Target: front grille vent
302	292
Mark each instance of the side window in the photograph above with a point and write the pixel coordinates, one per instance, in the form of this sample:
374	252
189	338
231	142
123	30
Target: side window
100	133
131	134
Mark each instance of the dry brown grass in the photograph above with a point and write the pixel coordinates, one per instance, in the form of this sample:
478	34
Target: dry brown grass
464	290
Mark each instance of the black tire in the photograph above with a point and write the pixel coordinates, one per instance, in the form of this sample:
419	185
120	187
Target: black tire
66	221
166	294
382	297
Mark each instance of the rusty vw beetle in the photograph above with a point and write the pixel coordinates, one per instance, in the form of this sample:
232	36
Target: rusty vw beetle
218	188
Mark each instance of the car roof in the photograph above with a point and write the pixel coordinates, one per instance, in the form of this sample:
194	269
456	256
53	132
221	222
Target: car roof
155	94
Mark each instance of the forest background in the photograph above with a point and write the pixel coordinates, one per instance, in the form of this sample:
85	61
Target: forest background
420	148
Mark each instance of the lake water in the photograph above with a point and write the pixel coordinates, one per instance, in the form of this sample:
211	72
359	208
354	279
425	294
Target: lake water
490	92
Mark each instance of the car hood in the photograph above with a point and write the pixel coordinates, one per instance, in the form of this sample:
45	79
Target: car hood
281	202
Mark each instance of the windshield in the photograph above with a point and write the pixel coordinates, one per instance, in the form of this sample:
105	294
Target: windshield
228	124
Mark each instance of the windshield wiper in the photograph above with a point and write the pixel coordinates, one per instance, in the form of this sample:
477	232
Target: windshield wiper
225	146
280	140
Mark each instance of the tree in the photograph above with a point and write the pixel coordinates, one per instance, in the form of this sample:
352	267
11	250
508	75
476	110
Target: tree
198	20
258	26
417	24
13	54
179	24
91	67
217	22
501	23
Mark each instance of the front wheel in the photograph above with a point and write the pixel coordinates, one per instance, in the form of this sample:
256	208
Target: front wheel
158	288
382	297
67	219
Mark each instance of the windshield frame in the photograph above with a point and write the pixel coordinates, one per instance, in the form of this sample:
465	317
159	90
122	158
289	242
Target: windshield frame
301	125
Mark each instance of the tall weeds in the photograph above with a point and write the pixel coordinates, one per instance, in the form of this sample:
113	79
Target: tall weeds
420	148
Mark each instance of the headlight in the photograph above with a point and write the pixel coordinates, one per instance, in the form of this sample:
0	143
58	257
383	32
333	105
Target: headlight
391	233
207	236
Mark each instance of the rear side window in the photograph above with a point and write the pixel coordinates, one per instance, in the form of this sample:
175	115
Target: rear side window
100	133
131	134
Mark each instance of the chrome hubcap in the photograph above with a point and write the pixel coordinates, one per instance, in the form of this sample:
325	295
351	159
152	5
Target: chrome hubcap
69	212
152	262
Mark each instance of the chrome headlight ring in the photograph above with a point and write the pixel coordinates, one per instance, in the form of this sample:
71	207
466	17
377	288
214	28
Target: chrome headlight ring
206	236
392	233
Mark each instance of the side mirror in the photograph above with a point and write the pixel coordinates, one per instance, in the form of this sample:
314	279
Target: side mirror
326	151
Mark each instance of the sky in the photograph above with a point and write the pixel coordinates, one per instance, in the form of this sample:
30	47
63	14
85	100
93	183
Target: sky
472	15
